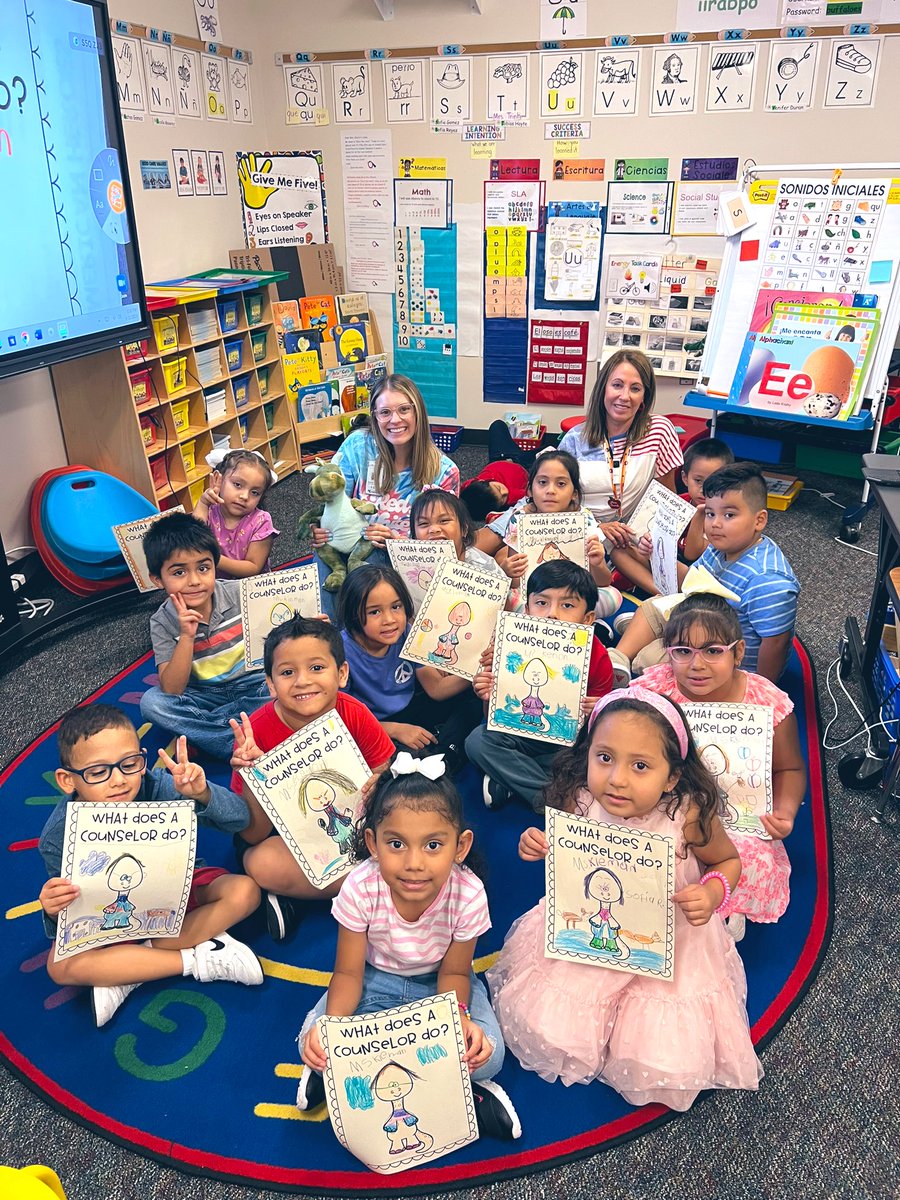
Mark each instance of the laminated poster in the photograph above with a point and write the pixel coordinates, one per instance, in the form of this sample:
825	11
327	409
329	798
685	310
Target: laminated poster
609	891
134	864
397	1090
130	537
548	536
270	600
456	620
735	743
641	519
540	677
416	562
309	786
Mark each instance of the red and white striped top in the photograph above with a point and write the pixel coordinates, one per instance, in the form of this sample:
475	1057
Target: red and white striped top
365	905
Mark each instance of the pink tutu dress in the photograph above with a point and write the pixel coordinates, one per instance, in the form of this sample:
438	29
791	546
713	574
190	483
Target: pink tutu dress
653	1040
764	888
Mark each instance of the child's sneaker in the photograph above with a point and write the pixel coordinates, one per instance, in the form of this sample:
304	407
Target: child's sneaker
495	793
224	957
623	620
736	924
283	915
106	1000
494	1111
310	1089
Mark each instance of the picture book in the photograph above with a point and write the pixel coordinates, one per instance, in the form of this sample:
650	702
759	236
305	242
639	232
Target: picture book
397	1089
455	622
318	312
299	371
547	536
309	786
352	307
767	298
270	600
540	673
316	400
130	537
609	891
300	341
416	561
351	342
133	865
787	373
735	743
366	380
656	494
286	318
345	378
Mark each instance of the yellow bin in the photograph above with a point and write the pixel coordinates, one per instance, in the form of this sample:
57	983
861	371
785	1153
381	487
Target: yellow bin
189	454
180	417
165	330
175	374
197	489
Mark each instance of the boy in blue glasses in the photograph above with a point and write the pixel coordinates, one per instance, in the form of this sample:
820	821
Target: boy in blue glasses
102	762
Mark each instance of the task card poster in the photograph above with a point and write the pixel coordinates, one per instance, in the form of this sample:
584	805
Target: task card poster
609	891
310	785
270	600
735	743
397	1090
282	197
540	673
456	620
416	562
130	537
545	537
133	864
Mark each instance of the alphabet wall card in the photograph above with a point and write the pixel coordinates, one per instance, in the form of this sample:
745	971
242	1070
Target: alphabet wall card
642	517
572	257
282	197
791	79
735	743
616	83
404	89
674	80
507	87
128	62
561	83
540	677
609	891
187	82
305	94
352	93
130	537
451	94
158	73
548	536
208	26
213	71
456	620
239	92
852	72
731	76
563	20
133	864
416	562
310	786
398	1092
269	600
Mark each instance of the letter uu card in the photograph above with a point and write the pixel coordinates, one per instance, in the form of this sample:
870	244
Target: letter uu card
609	891
735	743
133	864
309	785
547	536
130	537
398	1092
416	561
270	600
540	677
456	620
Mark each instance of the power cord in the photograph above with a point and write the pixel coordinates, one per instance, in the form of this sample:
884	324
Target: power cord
858	549
829	496
864	727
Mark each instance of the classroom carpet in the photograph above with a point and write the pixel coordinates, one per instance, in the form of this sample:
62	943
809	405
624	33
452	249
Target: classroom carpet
219	1062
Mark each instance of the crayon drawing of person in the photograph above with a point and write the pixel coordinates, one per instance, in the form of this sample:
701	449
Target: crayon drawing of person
124	874
550	552
319	794
605	887
535	675
444	652
716	762
393	1084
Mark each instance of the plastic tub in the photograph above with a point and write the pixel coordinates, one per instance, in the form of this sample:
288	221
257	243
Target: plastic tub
258	341
141	386
148	430
136	351
253	304
234	354
165	332
180	418
269	414
241	387
228	313
189	455
262	378
446	437
221	441
158	472
196	490
244	423
175	374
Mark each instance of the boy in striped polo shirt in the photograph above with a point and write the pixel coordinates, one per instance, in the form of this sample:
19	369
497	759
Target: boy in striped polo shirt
198	639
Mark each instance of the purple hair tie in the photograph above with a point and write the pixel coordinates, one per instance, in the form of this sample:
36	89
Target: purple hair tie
663	706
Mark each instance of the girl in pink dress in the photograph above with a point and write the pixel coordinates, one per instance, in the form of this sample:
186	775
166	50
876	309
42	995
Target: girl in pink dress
653	1040
232	508
703	642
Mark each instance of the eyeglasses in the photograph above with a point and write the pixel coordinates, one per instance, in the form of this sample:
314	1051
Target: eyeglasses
404	411
711	653
131	764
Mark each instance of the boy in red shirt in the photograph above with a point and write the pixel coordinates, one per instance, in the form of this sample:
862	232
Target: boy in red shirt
498	487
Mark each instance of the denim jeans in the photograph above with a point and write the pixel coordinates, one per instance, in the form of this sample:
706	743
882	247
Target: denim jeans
524	765
201	714
382	990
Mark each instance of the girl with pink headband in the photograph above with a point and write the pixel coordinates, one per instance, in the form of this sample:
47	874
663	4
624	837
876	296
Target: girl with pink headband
653	1040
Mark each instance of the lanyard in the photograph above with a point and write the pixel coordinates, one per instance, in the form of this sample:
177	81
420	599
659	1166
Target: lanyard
615	500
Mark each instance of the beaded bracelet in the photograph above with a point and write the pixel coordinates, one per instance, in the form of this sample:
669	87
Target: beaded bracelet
725	884
464	1010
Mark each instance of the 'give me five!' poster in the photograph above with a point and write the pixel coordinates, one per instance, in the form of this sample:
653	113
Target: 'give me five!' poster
282	197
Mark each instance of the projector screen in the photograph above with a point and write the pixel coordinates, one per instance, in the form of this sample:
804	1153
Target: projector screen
70	277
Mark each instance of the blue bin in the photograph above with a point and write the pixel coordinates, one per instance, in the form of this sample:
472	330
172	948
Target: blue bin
79	510
748	448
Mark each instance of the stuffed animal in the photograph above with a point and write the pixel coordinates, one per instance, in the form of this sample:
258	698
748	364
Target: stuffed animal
342	517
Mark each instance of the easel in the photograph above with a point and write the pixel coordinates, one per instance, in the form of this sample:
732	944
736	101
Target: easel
724	317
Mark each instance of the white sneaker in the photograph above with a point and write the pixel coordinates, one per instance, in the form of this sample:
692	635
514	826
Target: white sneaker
107	1000
224	957
310	1089
736	925
622	621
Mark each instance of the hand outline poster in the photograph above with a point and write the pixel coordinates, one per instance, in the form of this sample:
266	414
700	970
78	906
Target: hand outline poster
269	600
309	786
735	743
450	631
609	890
130	537
540	673
133	864
397	1090
282	196
544	537
416	562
